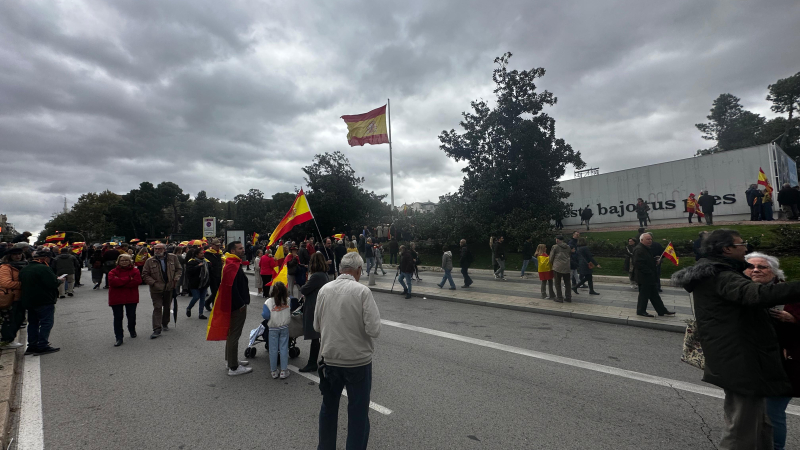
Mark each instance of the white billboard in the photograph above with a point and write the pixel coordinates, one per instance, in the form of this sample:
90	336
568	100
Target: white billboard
209	226
666	186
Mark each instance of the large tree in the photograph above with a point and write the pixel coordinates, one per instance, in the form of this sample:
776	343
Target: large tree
731	126
514	159
785	98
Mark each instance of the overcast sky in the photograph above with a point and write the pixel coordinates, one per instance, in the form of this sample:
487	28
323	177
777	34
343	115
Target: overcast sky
228	96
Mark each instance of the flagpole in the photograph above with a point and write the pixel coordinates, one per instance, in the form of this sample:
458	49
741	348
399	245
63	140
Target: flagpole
391	171
322	240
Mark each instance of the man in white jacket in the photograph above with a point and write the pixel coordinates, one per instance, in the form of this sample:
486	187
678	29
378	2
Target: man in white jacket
348	320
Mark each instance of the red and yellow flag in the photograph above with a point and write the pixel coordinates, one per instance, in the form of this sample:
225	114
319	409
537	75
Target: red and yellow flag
338	236
255	237
77	247
219	320
56	237
299	212
762	180
367	128
669	253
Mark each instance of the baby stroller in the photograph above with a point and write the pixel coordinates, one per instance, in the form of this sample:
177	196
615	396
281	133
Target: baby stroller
260	334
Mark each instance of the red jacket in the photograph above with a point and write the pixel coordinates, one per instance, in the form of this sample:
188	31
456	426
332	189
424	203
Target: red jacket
267	265
123	285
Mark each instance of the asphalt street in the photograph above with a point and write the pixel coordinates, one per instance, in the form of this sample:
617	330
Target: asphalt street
443	391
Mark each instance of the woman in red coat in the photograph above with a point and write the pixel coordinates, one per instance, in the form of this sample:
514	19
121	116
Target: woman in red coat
124	281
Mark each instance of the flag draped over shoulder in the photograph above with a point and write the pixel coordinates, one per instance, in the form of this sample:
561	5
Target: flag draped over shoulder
56	237
669	253
299	213
367	128
281	276
219	321
762	180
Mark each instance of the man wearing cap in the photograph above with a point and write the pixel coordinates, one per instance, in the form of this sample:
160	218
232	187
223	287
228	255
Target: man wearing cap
39	297
214	258
161	273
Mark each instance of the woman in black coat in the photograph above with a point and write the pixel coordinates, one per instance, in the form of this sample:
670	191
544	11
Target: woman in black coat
584	270
319	277
628	265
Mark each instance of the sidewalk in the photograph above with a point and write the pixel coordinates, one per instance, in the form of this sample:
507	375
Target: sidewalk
615	304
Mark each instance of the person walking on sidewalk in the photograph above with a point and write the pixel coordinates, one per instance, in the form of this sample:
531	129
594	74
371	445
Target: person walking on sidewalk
641	212
214	258
586	215
586	264
39	297
741	348
645	270
627	266
527	254
500	256
379	259
706	203
545	270
466	261
417	260
319	278
348	320
123	295
64	264
406	269
559	260
573	257
12	263
199	278
447	267
161	273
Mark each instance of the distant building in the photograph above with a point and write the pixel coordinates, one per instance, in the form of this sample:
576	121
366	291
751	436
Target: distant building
419	207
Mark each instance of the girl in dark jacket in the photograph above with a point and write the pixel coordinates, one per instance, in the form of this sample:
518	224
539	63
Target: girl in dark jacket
584	270
319	277
123	295
198	279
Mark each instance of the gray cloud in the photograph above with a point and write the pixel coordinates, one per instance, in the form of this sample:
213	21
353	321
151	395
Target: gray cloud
228	96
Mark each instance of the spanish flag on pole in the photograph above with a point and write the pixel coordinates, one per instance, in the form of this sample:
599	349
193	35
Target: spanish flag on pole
255	238
299	213
56	237
669	253
762	180
367	128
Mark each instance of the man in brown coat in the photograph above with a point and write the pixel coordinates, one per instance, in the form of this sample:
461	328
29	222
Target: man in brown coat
559	260
161	273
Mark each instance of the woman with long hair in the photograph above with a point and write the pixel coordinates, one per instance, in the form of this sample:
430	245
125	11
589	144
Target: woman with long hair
277	313
318	278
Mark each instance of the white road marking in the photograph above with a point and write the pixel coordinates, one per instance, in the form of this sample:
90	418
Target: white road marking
31	431
381	409
652	379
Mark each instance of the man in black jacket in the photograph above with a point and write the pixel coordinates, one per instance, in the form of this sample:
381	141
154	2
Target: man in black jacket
656	251
330	259
500	257
214	258
754	195
240	298
706	203
741	350
646	273
787	201
573	257
406	270
466	261
527	254
586	214
339	253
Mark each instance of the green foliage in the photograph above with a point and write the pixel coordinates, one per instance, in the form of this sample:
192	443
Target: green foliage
506	148
88	216
731	126
785	98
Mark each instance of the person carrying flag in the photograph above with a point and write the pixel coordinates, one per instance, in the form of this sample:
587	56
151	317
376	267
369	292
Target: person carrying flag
691	208
646	273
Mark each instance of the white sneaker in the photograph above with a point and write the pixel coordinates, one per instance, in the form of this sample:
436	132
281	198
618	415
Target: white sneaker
241	370
11	345
274	374
284	374
241	363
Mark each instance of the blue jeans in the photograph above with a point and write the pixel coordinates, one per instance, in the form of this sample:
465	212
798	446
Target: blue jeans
776	410
447	277
370	264
407	277
40	323
197	295
525	263
358	381
278	341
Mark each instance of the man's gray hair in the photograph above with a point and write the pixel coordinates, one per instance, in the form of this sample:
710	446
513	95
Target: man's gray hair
643	235
773	262
351	262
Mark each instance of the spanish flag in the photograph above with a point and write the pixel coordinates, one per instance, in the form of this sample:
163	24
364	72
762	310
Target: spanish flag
281	276
367	128
56	237
299	213
77	247
255	238
762	180
669	253
338	236
219	321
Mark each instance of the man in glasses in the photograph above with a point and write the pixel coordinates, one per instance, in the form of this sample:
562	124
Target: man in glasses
742	355
161	273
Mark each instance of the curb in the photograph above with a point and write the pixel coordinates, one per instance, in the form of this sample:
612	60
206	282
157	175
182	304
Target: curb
9	360
618	320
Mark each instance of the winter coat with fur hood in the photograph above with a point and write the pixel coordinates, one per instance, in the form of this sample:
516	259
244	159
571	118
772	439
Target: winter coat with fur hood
734	326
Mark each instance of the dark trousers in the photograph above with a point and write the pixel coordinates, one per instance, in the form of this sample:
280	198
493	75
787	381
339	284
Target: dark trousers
467	279
746	423
699	219
234	333
214	288
650	292
127	310
300	275
12	319
709	218
358	382
643	221
755	213
78	277
393	258
567	285
587	278
266	279
40	323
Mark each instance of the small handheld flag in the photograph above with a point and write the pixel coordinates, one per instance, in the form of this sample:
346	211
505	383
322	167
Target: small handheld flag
762	180
299	213
669	253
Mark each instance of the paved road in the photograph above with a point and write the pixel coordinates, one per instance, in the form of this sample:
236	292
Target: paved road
450	391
